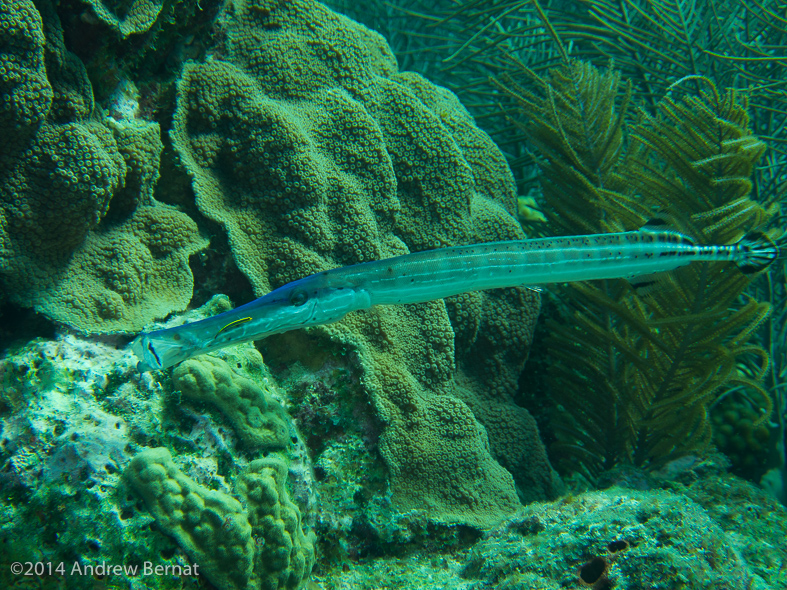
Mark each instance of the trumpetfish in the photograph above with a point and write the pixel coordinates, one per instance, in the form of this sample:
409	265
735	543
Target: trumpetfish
328	296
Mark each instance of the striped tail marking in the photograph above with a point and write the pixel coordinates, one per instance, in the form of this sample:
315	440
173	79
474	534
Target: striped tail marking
758	252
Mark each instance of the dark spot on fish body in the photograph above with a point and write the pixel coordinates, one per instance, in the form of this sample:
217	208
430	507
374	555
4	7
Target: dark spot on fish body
176	337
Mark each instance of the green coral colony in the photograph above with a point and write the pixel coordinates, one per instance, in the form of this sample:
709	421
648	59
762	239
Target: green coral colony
159	155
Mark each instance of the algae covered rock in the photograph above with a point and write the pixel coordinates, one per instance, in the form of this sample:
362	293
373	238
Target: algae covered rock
616	538
313	151
719	532
71	414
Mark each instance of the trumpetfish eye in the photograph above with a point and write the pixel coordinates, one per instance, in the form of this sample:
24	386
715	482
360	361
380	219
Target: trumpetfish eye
298	297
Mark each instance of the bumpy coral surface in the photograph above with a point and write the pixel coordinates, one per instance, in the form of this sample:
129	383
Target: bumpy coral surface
211	526
259	423
27	94
81	238
285	555
127	16
262	547
310	148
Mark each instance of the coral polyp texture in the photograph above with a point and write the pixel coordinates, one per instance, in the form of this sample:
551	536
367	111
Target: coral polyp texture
260	547
81	238
313	151
126	16
259	423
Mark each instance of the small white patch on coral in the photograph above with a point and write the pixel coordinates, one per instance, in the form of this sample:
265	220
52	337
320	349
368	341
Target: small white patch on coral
124	102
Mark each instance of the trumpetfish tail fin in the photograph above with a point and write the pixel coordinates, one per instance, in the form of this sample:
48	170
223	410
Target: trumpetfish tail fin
759	252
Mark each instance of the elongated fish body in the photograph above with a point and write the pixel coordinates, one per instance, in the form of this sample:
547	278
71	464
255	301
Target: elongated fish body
328	296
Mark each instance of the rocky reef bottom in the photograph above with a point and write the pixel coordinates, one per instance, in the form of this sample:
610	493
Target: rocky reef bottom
233	473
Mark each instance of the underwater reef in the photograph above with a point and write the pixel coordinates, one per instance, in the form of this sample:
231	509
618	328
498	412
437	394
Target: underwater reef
166	160
83	239
110	466
362	162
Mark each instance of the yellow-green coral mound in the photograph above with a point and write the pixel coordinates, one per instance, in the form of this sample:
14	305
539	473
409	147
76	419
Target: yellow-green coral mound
210	526
123	275
81	238
259	423
310	148
127	16
26	94
254	545
285	556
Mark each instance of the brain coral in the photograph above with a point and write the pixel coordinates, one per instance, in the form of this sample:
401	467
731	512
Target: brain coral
81	238
261	547
285	558
259	423
313	151
210	526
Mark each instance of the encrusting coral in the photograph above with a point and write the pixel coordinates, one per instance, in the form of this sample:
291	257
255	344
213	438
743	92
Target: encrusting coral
81	238
312	151
127	16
